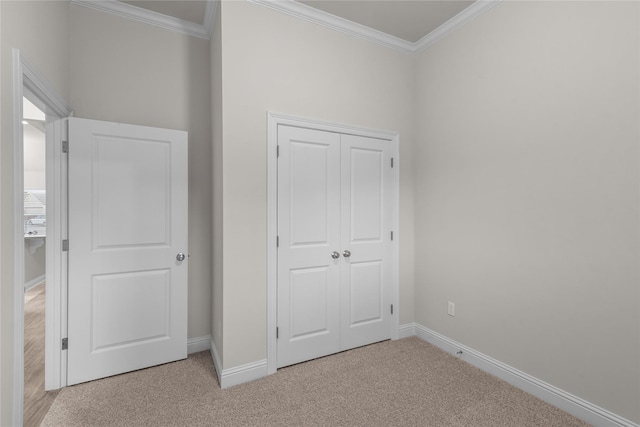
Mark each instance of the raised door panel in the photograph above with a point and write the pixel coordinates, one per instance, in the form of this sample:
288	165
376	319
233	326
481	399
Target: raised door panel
366	192
366	292
309	297
142	317
309	198
140	181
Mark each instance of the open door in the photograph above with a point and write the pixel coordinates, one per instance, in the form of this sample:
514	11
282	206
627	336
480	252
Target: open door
127	294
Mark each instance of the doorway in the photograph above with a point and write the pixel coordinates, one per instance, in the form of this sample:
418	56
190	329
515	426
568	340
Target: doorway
140	176
28	83
37	401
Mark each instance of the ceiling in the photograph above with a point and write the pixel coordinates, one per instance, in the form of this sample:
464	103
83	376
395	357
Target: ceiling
409	20
187	10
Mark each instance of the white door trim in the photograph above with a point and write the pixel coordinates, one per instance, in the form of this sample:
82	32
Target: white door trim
273	120
56	259
27	81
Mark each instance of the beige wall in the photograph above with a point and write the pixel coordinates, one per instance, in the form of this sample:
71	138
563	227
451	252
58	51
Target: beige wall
125	71
34	264
217	305
34	145
527	193
34	158
524	167
40	29
273	62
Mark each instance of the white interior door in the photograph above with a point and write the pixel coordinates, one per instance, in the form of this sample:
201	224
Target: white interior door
334	254
365	279
309	231
127	292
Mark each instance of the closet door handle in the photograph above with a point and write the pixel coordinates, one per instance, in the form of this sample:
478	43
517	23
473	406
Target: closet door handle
346	254
335	255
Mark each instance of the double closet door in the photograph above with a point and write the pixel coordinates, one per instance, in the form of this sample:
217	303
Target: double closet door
334	251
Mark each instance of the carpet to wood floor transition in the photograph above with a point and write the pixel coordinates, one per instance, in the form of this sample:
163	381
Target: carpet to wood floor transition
407	382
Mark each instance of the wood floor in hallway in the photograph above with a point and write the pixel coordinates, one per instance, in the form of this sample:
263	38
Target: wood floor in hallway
36	401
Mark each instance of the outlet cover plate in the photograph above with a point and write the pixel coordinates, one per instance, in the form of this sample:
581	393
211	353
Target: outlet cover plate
451	309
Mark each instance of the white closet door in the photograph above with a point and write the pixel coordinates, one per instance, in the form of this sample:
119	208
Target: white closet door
308	231
334	254
365	279
127	222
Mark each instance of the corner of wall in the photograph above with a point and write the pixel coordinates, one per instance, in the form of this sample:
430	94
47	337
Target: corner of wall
217	305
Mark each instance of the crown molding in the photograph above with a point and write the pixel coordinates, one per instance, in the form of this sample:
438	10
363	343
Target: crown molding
295	9
465	16
316	16
308	13
153	18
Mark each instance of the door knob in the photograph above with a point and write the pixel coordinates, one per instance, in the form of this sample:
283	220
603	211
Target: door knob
346	254
335	255
180	256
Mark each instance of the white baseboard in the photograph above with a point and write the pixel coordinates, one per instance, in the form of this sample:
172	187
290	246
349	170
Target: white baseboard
34	282
569	403
407	330
198	344
217	363
574	405
243	373
238	374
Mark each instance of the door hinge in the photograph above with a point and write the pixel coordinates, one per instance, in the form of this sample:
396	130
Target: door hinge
391	308
65	130
65	246
277	151
392	235
277	332
65	147
65	343
392	162
277	241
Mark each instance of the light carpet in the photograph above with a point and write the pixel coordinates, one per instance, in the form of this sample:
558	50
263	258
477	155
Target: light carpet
407	382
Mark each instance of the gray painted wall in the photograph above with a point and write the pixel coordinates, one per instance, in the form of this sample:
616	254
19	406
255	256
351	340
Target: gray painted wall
527	193
524	170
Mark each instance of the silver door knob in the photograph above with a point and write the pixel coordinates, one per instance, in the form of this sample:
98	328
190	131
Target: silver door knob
346	254
180	256
335	255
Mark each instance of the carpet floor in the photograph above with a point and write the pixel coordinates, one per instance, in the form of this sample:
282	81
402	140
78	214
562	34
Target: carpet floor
407	382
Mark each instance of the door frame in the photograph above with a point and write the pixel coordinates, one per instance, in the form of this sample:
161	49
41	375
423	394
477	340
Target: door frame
28	82
273	120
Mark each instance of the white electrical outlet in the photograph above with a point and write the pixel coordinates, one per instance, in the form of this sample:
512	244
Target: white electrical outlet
451	309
